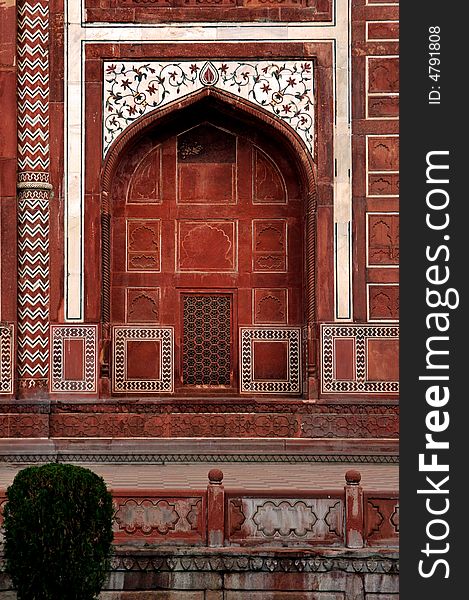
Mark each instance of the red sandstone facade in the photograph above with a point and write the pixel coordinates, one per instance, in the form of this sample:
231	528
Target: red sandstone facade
199	236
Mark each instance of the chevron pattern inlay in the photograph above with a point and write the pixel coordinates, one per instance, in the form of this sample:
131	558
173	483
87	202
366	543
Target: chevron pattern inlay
33	193
6	359
33	85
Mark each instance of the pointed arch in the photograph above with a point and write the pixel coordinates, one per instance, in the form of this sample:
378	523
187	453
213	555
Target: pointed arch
257	119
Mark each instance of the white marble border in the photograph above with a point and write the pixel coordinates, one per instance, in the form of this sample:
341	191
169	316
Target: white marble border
77	34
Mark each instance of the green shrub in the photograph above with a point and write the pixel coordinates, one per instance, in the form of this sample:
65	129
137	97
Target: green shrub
58	533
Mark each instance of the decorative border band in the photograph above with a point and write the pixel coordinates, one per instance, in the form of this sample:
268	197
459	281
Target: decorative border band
61	333
360	334
248	384
6	359
120	383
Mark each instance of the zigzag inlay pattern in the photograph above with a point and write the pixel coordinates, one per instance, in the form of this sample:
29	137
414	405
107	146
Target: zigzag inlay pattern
6	359
33	283
248	383
33	85
86	333
33	192
165	335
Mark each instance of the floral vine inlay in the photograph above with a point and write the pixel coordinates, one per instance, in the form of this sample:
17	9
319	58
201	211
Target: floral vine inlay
133	89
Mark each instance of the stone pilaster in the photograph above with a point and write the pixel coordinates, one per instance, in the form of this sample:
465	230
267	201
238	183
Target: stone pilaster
34	190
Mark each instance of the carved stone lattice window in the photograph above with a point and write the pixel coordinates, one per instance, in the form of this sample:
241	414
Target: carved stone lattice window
206	348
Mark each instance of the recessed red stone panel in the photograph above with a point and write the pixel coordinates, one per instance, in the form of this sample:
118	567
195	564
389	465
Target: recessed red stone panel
270	360
382	107
269	186
206	166
383	239
383	30
270	306
154	11
383	74
207	246
146	518
374	366
143	305
143	245
74	359
382	360
344	359
145	183
383	153
206	184
269	245
381	520
383	184
383	302
262	520
143	359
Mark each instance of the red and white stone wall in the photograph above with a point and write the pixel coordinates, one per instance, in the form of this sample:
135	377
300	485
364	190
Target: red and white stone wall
83	81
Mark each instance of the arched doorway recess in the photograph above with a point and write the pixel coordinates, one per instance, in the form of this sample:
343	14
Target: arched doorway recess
208	236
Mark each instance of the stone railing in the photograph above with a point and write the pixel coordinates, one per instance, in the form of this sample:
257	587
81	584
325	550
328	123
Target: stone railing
215	517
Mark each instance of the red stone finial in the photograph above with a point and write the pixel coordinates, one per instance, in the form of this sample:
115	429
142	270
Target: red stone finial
215	476
353	477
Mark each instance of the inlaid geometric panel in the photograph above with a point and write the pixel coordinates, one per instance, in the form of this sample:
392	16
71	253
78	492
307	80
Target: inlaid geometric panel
382	239
143	245
269	245
376	364
6	359
142	359
206	347
74	358
206	246
270	360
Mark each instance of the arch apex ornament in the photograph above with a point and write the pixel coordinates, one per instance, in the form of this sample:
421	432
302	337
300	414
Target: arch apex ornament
285	88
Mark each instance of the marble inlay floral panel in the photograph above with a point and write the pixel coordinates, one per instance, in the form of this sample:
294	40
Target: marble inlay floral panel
133	89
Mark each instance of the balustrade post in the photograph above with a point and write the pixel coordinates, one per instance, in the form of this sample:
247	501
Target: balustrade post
215	509
354	521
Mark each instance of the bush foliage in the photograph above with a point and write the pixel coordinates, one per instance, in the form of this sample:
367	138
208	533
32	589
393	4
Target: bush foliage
58	533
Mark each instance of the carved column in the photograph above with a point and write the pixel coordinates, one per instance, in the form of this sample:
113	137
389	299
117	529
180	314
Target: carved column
312	341
34	191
